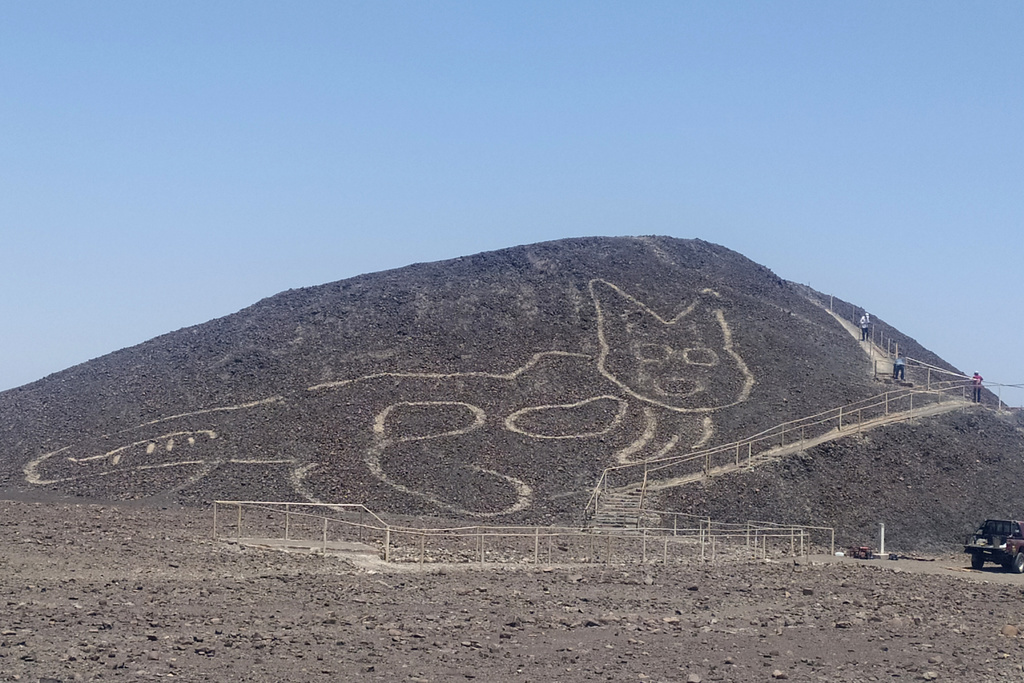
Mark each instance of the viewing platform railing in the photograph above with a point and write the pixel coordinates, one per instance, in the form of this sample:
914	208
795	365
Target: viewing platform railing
345	528
901	404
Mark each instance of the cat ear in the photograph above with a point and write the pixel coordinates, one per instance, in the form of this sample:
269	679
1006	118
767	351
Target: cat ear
614	303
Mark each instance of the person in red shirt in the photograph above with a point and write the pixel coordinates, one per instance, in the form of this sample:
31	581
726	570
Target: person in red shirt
976	387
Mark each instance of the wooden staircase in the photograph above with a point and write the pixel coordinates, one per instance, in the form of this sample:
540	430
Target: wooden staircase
622	510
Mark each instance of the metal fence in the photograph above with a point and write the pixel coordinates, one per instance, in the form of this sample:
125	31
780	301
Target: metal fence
339	528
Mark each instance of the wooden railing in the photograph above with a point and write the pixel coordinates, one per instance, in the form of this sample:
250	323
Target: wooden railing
899	404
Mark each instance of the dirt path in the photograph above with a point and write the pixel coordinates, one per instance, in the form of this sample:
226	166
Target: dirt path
101	593
881	364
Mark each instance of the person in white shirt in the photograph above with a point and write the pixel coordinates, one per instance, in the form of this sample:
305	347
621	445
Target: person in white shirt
865	326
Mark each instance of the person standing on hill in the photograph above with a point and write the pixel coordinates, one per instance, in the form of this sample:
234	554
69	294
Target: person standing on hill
976	387
865	326
899	366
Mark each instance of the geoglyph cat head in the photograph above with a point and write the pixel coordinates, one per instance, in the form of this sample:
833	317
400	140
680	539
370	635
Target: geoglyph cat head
686	363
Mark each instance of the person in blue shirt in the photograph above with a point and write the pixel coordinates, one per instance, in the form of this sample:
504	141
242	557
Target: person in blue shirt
899	366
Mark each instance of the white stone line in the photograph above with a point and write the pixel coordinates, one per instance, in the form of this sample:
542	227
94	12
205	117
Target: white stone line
709	431
297	479
478	419
524	494
650	429
510	421
260	461
536	358
115	455
669	445
221	409
605	348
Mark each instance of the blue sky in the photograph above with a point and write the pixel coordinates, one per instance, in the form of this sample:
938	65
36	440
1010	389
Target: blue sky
163	164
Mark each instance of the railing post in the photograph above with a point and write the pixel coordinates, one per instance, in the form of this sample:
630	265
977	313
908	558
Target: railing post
737	455
536	545
387	543
215	520
287	520
238	525
325	534
840	428
643	494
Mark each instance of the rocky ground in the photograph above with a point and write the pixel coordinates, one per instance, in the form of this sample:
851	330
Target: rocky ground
105	592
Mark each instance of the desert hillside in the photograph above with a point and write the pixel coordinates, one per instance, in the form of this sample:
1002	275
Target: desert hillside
498	386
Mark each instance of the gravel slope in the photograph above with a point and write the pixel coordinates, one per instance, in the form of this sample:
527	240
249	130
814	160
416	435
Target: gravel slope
496	387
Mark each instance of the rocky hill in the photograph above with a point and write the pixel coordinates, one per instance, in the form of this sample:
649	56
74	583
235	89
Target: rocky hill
497	387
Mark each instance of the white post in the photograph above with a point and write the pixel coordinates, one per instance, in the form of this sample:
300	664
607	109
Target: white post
881	536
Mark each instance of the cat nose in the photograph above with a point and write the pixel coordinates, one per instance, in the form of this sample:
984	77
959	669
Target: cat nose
678	386
700	356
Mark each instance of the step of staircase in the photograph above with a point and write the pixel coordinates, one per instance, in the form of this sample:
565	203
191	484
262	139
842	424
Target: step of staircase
621	510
